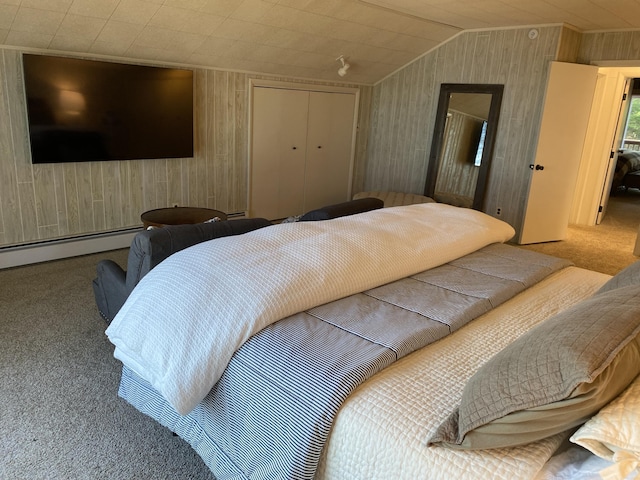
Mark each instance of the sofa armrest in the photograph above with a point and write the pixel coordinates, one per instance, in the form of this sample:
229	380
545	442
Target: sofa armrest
113	285
151	247
109	288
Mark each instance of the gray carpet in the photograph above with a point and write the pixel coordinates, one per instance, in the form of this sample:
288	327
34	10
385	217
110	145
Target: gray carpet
60	415
606	248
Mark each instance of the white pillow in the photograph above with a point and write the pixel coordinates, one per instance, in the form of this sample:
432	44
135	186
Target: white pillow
614	434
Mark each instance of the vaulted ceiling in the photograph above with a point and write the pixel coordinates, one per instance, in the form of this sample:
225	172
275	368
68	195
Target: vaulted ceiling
294	38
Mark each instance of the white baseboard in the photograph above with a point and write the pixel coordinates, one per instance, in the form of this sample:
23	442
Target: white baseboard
72	247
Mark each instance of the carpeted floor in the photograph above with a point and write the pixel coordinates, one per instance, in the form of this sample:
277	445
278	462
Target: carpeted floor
60	415
607	247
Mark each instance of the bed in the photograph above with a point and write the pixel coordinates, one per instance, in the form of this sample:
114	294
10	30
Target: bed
271	353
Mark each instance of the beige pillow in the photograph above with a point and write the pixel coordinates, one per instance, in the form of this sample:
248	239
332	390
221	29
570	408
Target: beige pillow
553	378
614	433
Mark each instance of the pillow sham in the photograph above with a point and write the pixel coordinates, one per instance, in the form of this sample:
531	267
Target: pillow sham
553	378
614	433
626	277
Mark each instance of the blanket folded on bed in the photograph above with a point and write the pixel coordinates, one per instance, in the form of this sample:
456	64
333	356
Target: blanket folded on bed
183	322
270	414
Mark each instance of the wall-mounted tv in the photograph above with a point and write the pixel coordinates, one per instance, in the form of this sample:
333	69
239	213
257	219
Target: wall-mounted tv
87	110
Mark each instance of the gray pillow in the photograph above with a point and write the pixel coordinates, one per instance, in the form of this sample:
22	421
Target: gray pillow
554	377
628	276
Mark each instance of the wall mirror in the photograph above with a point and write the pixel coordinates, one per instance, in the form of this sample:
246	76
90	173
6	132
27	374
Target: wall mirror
462	145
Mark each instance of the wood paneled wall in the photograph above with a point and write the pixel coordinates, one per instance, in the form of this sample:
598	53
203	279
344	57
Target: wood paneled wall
569	46
394	137
621	45
42	202
404	107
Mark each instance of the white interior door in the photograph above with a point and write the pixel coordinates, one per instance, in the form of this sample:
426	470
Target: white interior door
278	151
563	128
330	140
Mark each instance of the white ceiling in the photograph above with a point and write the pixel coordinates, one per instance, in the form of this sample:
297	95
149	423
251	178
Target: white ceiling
297	38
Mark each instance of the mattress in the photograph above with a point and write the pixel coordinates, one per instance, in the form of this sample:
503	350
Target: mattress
381	430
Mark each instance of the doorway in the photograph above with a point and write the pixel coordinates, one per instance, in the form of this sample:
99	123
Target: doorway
624	192
607	247
595	176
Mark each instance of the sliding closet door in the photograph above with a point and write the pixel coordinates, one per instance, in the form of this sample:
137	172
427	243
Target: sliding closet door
279	145
330	140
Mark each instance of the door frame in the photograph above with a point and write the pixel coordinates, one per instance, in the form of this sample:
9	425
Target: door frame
616	143
595	162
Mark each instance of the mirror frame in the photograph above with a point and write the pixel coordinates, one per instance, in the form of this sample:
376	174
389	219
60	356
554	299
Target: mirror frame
446	89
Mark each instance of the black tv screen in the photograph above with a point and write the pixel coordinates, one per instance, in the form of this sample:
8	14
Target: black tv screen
86	110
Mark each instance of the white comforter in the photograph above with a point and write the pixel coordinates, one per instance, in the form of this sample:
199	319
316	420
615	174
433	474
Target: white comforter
186	318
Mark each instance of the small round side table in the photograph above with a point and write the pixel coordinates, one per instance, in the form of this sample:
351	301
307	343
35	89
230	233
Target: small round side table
179	215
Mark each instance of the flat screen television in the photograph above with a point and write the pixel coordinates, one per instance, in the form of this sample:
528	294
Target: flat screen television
87	110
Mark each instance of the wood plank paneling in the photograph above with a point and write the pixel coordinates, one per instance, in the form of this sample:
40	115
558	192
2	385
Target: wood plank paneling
52	201
569	45
61	208
43	181
10	215
239	176
136	191
364	116
112	194
71	202
394	136
506	57
197	166
27	201
85	199
609	46
18	117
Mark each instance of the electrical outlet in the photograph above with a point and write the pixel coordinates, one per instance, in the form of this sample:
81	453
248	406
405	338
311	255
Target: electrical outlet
498	211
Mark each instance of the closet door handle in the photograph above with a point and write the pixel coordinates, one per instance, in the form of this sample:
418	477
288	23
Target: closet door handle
294	148
319	146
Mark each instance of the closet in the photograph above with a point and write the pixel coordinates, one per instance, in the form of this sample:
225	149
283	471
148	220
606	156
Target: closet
302	146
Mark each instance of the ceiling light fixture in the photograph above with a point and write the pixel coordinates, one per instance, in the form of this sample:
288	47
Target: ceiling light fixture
342	71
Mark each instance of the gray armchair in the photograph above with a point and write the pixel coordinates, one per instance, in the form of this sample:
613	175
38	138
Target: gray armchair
113	285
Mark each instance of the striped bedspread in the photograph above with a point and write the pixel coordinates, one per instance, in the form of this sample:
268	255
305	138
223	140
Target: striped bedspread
272	410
